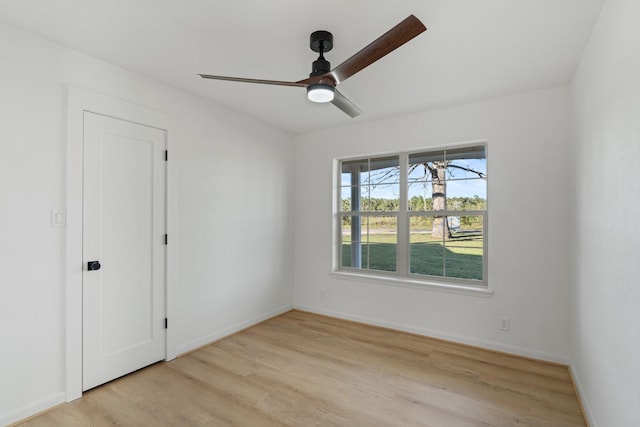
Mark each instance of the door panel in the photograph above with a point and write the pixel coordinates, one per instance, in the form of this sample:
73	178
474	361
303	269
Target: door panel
123	228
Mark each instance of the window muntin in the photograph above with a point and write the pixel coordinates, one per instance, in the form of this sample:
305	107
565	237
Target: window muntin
438	196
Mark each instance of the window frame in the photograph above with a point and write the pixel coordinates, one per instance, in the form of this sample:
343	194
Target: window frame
403	276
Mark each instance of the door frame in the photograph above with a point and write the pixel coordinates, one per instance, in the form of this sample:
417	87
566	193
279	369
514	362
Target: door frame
80	100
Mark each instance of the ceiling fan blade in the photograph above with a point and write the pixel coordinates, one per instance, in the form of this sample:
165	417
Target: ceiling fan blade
383	45
243	80
341	101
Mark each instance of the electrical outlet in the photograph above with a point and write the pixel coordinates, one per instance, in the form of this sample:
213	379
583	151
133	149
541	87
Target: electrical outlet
323	294
503	323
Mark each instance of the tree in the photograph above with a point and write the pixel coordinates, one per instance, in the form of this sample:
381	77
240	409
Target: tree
437	170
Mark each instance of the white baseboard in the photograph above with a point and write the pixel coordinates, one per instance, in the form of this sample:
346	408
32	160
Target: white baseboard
31	409
491	345
588	414
208	339
59	398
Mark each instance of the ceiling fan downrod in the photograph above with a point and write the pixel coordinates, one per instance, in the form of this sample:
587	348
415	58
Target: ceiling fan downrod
321	42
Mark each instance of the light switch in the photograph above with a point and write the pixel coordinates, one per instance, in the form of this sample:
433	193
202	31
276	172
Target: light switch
58	218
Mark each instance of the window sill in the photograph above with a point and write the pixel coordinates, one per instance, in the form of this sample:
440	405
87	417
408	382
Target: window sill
405	282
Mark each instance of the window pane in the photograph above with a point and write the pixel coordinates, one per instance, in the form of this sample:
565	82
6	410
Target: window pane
359	168
383	240
365	204
466	153
420	196
424	166
472	226
353	234
464	263
466	185
345	199
384	170
418	172
385	197
369	242
467	188
426	251
464	249
467	168
468	194
420	224
426	157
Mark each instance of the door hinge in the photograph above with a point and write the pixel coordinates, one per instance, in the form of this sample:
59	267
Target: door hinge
166	239
166	155
166	323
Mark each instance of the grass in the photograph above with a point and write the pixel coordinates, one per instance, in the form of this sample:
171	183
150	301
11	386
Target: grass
458	257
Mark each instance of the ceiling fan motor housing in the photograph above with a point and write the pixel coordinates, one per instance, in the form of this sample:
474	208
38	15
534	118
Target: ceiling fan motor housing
320	67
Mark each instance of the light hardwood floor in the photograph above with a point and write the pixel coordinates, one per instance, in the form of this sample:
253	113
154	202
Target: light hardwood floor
302	369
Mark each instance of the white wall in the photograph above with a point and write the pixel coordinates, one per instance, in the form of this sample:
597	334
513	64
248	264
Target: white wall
230	200
529	194
605	327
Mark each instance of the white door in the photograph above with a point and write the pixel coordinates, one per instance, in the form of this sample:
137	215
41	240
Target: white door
123	298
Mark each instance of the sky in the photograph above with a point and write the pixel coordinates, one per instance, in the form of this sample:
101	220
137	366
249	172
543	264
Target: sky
460	183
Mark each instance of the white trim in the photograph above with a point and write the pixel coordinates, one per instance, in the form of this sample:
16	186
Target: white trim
31	409
586	409
78	101
192	345
490	345
405	282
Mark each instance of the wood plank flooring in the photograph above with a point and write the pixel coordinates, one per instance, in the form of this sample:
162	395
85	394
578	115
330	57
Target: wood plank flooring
302	369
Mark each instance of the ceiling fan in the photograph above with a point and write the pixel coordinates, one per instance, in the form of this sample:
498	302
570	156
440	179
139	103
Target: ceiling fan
321	83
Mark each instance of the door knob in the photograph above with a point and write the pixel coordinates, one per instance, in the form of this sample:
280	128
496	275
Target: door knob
93	265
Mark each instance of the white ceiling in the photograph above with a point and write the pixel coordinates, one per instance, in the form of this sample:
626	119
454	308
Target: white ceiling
472	49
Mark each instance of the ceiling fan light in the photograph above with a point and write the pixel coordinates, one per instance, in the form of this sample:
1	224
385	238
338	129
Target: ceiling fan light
320	92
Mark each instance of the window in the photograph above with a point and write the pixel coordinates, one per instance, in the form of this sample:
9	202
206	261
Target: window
418	215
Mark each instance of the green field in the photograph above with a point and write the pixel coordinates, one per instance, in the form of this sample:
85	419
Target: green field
459	257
